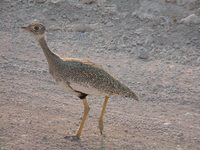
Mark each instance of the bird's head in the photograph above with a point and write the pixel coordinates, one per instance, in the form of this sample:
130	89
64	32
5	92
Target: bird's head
36	28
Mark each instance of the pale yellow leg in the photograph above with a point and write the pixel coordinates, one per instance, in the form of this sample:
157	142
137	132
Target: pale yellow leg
86	111
102	114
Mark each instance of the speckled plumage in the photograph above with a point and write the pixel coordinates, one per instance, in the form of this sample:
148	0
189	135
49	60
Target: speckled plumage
80	77
75	73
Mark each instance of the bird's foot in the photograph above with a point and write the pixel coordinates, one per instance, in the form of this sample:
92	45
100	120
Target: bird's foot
78	134
72	137
101	126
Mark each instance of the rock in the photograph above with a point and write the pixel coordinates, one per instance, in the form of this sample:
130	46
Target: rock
40	1
109	24
134	43
88	1
143	16
142	54
55	1
176	46
171	1
123	14
167	123
188	42
138	31
191	19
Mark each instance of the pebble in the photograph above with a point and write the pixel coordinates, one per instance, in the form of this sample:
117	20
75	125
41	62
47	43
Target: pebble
144	16
88	1
171	1
167	123
176	46
143	54
55	1
109	24
188	42
138	31
41	1
123	14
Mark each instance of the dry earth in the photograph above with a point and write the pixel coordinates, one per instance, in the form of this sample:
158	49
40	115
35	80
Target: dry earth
150	45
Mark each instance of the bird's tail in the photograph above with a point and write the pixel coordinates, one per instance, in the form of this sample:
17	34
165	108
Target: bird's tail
131	94
128	93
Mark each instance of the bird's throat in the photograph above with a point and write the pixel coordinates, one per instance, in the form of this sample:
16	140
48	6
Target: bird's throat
50	56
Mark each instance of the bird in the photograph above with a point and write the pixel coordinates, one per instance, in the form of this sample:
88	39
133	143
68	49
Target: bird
80	77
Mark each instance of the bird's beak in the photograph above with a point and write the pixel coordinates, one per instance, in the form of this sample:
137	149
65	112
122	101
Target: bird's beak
26	29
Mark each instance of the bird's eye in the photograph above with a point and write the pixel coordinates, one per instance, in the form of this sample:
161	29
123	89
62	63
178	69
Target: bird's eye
36	28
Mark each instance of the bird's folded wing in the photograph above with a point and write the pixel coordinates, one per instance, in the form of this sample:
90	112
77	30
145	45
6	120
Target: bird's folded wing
84	61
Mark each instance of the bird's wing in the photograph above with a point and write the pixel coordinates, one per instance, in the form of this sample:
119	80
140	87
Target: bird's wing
87	77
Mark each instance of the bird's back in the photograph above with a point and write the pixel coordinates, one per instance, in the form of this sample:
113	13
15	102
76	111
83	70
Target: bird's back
87	77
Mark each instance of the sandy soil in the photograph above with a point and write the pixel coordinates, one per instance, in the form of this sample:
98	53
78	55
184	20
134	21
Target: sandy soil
151	46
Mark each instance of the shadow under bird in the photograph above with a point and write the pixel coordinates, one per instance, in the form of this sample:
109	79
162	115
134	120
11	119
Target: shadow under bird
80	77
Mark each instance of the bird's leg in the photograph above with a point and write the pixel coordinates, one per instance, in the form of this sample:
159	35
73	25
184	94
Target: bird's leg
102	114
86	111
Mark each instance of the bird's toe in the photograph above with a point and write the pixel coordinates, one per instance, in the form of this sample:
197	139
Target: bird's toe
101	126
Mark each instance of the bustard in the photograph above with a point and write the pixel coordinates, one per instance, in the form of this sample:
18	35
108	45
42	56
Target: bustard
80	77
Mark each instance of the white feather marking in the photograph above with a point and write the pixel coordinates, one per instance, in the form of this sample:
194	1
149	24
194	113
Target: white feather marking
87	89
66	87
38	36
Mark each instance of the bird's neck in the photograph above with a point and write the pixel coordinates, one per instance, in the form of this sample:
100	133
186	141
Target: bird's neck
50	56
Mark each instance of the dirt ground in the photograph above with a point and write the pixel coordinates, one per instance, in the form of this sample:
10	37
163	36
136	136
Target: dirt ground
152	46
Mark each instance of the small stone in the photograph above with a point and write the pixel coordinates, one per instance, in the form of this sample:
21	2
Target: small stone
88	1
171	1
138	31
41	1
44	138
142	54
134	14
55	1
134	43
109	24
64	16
147	16
124	14
176	46
139	42
188	42
191	19
167	123
126	131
